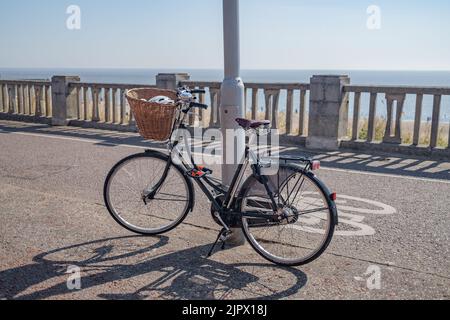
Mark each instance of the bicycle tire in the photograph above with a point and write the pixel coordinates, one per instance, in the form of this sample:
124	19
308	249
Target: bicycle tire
138	230
250	184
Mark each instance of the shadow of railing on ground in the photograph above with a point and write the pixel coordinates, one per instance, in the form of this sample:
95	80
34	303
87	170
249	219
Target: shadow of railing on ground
392	164
181	274
395	164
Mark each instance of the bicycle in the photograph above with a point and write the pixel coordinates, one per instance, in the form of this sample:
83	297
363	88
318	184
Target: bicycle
150	194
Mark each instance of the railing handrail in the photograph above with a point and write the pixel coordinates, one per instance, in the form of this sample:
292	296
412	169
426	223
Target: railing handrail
109	85
252	85
431	90
26	82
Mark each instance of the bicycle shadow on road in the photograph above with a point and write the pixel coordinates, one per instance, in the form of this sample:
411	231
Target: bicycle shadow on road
183	274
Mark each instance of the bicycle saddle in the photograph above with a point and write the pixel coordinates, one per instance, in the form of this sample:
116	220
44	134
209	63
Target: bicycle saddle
252	124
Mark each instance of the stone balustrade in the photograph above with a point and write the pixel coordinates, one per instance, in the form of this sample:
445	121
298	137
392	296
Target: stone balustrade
395	97
103	103
270	93
27	100
316	115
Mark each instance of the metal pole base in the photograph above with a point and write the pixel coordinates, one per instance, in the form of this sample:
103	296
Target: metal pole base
236	238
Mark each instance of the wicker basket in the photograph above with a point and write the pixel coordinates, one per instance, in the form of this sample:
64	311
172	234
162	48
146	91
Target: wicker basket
154	121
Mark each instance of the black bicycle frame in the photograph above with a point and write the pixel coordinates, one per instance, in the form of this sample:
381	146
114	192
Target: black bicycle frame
229	192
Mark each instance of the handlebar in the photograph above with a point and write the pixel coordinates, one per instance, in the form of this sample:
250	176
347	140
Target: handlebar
186	98
198	105
198	91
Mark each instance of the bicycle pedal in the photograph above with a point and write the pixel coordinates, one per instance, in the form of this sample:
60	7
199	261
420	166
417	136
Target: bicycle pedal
201	172
196	174
205	170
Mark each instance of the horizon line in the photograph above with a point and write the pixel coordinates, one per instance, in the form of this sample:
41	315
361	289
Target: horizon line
243	69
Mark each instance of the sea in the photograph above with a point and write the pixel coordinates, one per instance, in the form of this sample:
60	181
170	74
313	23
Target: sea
358	77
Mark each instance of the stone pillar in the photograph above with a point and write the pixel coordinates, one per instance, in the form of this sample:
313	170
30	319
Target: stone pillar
171	80
328	112
64	100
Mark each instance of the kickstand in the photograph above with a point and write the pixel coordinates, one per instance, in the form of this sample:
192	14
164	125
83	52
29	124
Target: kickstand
222	237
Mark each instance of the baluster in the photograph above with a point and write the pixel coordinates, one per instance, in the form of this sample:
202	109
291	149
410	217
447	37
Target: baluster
37	98
268	97
192	116
448	147
418	119
6	98
302	114
201	99
289	111
389	105
435	121
16	99
356	113
275	109
30	99
123	111
219	101
255	103
372	114
19	99
114	107
1	98
108	105
397	136
398	119
214	102
245	102
11	99
44	100
78	103
131	118
24	98
48	102
95	108
85	104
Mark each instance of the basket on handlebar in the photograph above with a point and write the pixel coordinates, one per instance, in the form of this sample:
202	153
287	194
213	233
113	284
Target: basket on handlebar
154	121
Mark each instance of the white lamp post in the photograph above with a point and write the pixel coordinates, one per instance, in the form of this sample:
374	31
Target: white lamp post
232	97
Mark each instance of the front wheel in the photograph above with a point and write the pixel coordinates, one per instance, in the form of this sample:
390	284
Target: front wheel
148	194
302	228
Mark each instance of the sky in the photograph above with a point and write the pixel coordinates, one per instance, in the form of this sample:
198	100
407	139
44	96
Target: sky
275	34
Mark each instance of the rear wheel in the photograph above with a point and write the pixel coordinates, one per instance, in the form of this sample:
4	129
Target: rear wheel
302	228
131	181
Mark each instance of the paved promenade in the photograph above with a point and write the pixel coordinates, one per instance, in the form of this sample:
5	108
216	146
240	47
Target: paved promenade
394	214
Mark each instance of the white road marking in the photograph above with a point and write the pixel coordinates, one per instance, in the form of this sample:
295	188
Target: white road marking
353	212
94	141
386	175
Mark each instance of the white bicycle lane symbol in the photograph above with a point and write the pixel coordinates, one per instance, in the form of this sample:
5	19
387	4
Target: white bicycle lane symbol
352	212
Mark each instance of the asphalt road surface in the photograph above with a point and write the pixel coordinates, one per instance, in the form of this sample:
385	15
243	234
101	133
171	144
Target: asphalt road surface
392	241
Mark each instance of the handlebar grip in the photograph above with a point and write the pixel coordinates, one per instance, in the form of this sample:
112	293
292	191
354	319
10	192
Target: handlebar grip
199	105
199	91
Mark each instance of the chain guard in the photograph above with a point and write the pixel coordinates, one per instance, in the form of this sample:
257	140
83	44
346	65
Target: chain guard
231	219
